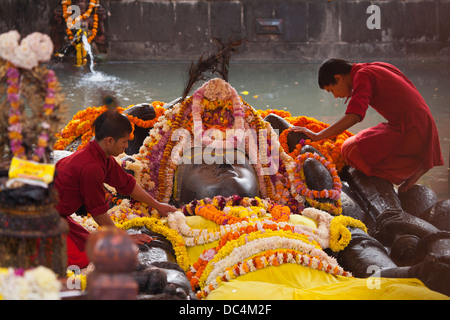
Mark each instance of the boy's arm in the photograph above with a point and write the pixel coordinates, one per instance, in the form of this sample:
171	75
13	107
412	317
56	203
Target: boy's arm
141	195
343	124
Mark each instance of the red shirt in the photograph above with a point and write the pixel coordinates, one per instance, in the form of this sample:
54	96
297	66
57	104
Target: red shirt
79	181
410	131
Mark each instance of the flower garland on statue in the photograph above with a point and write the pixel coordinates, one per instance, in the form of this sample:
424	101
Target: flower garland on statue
24	77
331	233
81	125
312	196
253	251
340	236
160	151
267	216
48	108
14	114
156	225
329	148
270	258
157	160
85	16
215	90
229	218
15	117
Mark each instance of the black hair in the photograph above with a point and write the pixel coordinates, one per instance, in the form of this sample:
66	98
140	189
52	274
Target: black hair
112	124
330	68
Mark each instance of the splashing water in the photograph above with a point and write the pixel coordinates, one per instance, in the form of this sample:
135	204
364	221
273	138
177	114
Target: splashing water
87	47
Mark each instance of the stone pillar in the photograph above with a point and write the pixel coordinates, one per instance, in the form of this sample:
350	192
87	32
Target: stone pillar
114	256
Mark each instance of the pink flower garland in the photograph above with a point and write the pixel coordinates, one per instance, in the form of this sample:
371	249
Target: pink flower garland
14	120
334	193
197	107
49	106
15	127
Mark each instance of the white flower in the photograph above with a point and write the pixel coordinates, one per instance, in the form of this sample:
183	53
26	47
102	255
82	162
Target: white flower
41	44
34	48
24	57
43	283
217	89
8	43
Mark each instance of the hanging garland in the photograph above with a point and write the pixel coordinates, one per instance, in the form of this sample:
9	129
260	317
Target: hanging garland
14	114
93	4
22	83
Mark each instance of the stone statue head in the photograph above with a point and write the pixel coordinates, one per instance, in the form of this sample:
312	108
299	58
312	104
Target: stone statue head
207	173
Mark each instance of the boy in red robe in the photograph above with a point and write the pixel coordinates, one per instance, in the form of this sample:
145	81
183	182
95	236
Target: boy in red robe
401	150
80	178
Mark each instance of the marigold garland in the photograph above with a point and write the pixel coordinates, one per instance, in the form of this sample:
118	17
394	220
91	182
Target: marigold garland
93	4
156	225
230	219
312	195
234	232
270	258
14	119
81	125
330	148
251	247
340	236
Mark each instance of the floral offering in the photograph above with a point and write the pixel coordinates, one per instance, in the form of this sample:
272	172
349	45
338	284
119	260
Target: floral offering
39	283
29	85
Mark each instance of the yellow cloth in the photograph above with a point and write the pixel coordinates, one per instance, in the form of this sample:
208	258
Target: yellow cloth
296	282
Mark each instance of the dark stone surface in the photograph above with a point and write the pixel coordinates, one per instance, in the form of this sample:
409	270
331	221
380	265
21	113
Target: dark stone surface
316	175
439	215
226	20
417	200
311	30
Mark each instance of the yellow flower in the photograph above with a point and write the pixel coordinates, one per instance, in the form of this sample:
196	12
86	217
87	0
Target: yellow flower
340	236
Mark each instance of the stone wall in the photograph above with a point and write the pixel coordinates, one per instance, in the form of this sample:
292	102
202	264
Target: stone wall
285	30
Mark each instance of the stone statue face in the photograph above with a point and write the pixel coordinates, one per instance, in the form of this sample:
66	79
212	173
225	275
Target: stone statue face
208	173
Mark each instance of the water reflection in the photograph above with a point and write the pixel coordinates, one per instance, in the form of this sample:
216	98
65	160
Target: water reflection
286	86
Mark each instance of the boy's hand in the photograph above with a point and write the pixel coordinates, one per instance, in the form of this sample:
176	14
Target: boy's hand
164	209
310	134
140	238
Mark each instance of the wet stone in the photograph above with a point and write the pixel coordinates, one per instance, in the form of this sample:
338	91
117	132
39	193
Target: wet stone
317	176
439	215
417	200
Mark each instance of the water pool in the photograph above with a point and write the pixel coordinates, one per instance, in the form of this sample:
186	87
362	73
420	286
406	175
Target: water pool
286	86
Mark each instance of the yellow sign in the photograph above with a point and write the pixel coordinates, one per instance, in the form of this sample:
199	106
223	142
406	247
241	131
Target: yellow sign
31	170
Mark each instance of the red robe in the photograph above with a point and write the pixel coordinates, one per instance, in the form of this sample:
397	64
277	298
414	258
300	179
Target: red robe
79	181
409	139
